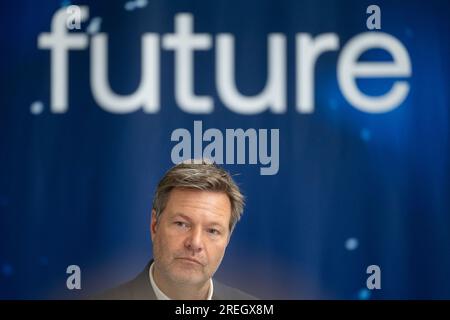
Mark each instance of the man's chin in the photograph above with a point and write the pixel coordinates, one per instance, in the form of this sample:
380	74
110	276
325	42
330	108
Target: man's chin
188	277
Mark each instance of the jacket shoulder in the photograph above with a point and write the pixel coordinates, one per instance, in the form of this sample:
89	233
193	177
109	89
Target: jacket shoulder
121	292
139	288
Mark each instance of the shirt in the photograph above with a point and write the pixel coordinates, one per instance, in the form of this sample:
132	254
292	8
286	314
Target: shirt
161	296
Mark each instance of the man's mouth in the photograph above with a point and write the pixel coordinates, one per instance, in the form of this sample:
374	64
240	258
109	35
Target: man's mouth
191	260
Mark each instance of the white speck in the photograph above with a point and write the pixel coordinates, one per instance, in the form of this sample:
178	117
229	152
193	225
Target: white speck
140	3
94	25
351	244
37	107
129	6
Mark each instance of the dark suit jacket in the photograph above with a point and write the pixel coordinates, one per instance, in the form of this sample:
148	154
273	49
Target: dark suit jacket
140	288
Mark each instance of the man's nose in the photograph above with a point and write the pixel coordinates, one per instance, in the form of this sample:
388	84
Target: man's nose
194	241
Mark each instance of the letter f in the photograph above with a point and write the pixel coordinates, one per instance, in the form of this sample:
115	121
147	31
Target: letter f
59	42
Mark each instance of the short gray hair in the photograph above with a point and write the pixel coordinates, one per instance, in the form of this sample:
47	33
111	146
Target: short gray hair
199	175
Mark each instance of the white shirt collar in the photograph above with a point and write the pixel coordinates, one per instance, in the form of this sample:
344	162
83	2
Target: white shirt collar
161	296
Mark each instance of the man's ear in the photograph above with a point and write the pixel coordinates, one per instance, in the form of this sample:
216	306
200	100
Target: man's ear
153	224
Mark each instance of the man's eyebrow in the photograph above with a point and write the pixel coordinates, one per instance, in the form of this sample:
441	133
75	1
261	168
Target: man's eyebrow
182	215
211	224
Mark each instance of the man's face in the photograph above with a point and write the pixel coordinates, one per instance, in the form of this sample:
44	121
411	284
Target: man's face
190	238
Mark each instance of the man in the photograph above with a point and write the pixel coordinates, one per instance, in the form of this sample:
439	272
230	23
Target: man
195	209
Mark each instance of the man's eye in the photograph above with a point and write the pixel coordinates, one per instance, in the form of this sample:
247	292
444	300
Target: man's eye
214	231
181	224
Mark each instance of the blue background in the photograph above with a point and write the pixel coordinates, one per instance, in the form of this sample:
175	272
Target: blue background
76	188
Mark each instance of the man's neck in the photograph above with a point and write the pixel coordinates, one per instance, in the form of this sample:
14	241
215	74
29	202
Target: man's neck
180	292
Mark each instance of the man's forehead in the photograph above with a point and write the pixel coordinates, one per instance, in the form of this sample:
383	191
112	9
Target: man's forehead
188	194
185	201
